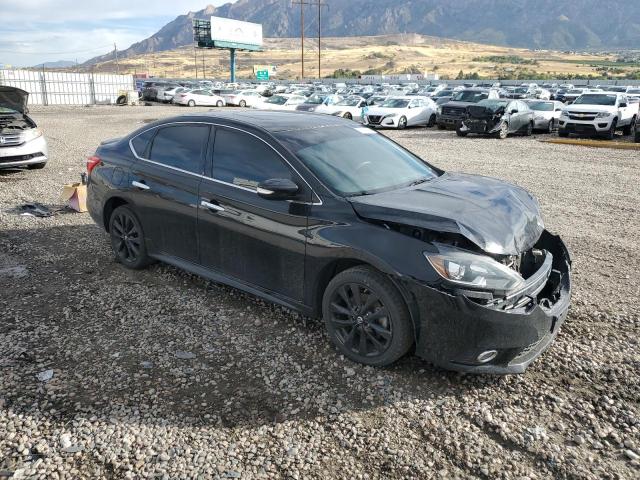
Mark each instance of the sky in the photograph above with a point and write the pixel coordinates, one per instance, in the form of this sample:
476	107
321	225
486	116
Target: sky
36	31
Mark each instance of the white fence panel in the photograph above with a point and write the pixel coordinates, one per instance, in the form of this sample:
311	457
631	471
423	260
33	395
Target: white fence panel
61	88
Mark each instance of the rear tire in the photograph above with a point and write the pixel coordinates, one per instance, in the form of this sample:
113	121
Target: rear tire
628	130
242	103
460	133
432	121
348	116
37	166
121	100
529	130
127	239
366	317
219	103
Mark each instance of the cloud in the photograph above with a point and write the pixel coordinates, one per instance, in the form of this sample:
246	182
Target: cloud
36	31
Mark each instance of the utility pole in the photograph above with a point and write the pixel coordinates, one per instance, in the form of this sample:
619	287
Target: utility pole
195	60
319	4
115	47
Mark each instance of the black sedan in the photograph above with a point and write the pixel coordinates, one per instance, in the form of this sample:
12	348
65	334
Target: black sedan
337	221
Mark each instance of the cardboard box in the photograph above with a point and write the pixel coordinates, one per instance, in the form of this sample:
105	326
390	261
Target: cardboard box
75	196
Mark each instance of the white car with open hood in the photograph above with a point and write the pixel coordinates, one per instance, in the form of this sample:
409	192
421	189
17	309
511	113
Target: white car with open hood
402	112
22	143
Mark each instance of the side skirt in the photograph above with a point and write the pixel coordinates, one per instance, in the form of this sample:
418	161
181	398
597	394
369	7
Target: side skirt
232	282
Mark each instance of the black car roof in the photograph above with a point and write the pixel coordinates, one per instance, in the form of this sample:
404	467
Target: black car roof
271	121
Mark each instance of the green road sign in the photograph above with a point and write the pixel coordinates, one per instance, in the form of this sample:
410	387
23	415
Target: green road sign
262	75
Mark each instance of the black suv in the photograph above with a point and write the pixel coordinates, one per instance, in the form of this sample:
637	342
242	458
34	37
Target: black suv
337	221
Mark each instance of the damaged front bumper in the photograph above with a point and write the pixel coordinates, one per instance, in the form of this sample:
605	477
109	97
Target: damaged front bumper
500	337
479	126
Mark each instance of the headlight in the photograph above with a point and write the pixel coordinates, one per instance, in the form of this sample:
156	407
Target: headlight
391	115
32	134
469	269
603	115
564	113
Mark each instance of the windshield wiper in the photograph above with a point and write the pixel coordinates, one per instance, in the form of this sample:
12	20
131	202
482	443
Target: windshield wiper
419	181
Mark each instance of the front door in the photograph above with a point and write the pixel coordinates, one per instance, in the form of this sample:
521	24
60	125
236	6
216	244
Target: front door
257	241
165	187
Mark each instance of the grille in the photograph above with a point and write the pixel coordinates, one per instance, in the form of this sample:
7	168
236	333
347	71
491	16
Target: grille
588	116
374	119
453	111
10	140
20	158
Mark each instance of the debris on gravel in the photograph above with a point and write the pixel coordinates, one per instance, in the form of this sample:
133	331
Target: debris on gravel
161	374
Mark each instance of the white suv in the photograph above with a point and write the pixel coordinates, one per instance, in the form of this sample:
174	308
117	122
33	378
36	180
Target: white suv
598	114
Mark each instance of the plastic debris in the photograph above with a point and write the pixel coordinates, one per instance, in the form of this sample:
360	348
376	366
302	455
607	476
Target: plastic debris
35	210
146	364
45	375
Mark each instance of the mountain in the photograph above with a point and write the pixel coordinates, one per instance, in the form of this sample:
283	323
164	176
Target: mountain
57	64
543	24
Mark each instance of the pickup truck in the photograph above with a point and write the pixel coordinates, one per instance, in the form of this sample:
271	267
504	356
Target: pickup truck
599	114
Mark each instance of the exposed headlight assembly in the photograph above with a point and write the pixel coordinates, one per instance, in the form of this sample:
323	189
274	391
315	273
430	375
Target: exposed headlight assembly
31	134
468	269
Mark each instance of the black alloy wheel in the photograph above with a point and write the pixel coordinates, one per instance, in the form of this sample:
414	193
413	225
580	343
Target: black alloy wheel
127	238
366	317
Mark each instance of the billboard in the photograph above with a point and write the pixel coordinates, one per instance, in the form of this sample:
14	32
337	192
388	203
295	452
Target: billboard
235	31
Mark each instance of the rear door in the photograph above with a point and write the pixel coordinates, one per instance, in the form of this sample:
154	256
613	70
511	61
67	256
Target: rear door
257	241
165	181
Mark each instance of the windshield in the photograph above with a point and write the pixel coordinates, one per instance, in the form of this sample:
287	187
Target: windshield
349	102
316	99
469	96
541	106
277	99
493	105
521	90
634	90
574	91
395	103
596	100
356	161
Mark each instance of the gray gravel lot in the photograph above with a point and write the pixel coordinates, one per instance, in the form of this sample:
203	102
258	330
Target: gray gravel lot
263	394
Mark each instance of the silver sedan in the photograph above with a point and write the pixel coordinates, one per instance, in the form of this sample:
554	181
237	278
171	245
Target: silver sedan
545	114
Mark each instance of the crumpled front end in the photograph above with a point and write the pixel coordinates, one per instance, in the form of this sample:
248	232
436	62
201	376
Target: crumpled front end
498	334
482	120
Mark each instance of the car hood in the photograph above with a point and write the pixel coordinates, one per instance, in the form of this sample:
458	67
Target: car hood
498	217
14	99
457	104
591	108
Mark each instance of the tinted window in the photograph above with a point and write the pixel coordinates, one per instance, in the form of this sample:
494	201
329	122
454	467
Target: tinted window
242	159
141	143
181	146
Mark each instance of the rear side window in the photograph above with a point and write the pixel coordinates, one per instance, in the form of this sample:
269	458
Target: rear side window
181	146
243	160
141	143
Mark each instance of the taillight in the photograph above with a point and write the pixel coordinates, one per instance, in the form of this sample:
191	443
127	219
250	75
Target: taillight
92	162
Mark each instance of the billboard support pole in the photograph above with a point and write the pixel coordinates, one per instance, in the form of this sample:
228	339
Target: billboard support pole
232	52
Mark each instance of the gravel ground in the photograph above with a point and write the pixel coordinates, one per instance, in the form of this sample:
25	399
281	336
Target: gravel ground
161	374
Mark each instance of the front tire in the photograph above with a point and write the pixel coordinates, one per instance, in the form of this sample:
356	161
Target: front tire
432	121
219	103
402	123
366	317
348	116
127	239
191	103
611	133
503	132
552	126
242	103
460	133
529	130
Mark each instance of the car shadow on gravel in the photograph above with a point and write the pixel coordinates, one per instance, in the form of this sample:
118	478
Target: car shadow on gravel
164	346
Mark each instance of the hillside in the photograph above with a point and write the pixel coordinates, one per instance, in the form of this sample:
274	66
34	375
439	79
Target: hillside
380	54
536	24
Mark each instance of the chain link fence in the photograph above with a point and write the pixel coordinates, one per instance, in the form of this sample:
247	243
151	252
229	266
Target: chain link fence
60	88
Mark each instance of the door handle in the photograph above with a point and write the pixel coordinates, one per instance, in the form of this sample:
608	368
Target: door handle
211	206
140	185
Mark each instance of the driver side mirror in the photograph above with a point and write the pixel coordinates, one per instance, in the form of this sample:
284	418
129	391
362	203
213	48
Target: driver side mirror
512	111
623	105
277	189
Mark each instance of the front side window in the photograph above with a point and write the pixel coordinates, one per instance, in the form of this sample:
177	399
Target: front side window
181	146
244	160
